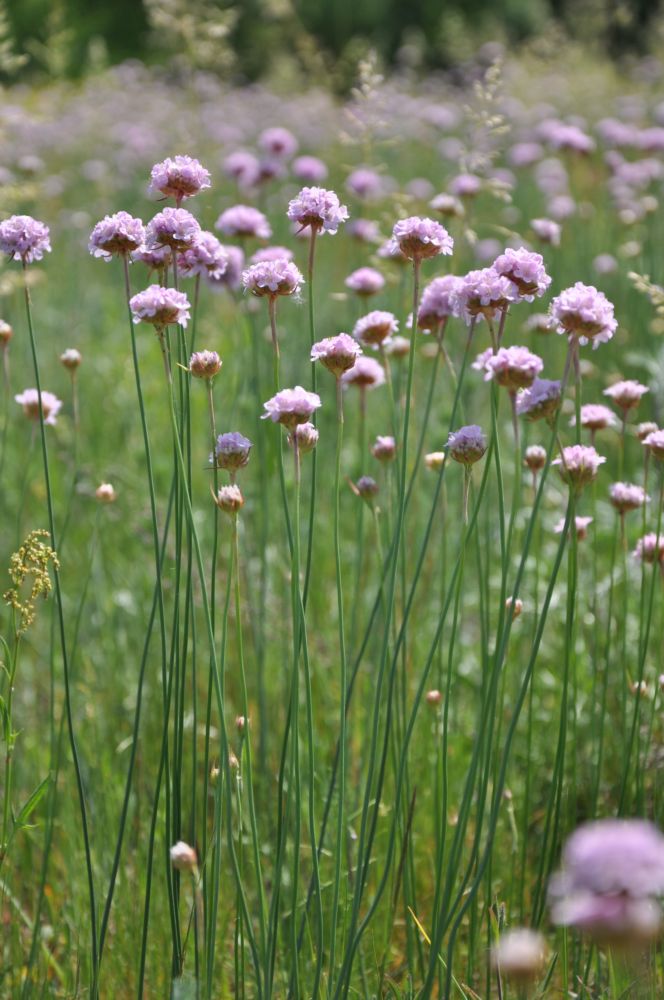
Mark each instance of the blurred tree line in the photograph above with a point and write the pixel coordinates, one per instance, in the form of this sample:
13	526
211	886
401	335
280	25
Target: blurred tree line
245	39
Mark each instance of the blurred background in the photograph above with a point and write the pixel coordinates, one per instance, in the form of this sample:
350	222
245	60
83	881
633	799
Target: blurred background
246	40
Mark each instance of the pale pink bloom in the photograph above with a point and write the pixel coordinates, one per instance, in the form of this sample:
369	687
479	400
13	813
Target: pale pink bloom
365	281
547	231
272	278
584	312
595	417
650	548
535	457
183	857
513	367
337	354
438	302
579	465
581	525
483	293
309	169
627	496
119	234
627	394
468	444
160	306
448	206
305	435
173	227
24	238
520	954
366	373
206	257
291	406
420	238
465	185
384	448
317	208
277	141
244	221
179	177
71	359
105	493
376	327
540	401
204	364
526	270
50	406
264	254
654	441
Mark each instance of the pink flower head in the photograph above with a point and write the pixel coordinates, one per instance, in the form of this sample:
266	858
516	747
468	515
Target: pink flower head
232	276
584	312
526	270
581	525
448	206
244	221
467	445
119	234
272	278
375	327
613	872
540	401
483	293
650	548
205	364
595	417
438	302
384	448
578	465
179	177
465	185
291	406
365	281
366	373
627	496
173	227
571	138
305	436
271	253
205	257
627	394
419	238
547	231
231	451
155	258
644	429
364	183
654	441
160	306
389	250
50	406
309	169
535	457
278	142
337	354
513	367
364	231
540	323
317	208
243	167
24	238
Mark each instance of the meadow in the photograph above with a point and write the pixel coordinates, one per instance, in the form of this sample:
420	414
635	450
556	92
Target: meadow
323	698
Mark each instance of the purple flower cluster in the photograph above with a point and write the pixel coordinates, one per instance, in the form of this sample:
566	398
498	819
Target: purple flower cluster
160	306
467	445
365	281
584	312
513	367
206	257
179	177
272	278
173	227
245	222
118	234
483	293
317	208
420	238
439	301
540	401
526	270
24	238
291	406
337	354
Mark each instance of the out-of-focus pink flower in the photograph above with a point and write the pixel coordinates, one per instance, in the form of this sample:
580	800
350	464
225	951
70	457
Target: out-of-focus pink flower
206	257
244	221
547	231
513	367
627	496
578	465
50	406
654	442
277	141
366	373
309	169
626	394
438	302
365	281
375	327
483	293
595	417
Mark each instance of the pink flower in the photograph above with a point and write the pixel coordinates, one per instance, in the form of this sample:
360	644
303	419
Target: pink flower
581	525
318	208
160	306
578	465
654	441
364	231
231	451
547	231
271	253
278	142
173	227
627	394
483	293
337	354
243	167
309	169
467	445
650	548
365	281
205	257
272	278
366	373
448	206
513	367
156	258
119	234
526	270
50	406
204	364
438	302
627	496
179	177
595	417
465	185
540	401
24	238
375	327
364	183
420	238
244	221
291	406
384	448
584	312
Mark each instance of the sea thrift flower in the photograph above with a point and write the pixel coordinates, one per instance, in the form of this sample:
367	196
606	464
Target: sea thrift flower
520	954
105	493
654	441
160	306
483	293
613	871
389	250
397	347
364	231
231	451
337	354
155	258
244	221
6	333
179	177
513	367
183	857
365	281
595	417
204	364
465	185
278	141
467	445
581	525
448	206
547	231
644	429
229	499
71	359
317	208
243	167
515	607
119	234
540	401
306	437
434	460
578	465
650	548
366	488
540	323
535	458
627	496
584	312
206	257
420	238
626	395
30	400
384	448
364	183
366	373
309	169
173	227
272	278
291	406
375	327
438	302
433	697
264	254
232	276
526	270
24	238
